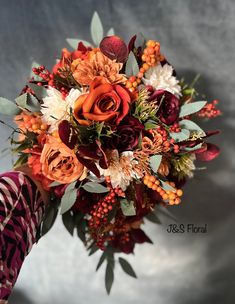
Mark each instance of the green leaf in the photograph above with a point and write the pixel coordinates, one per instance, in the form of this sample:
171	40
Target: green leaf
191	108
8	107
150	125
94	248
109	277
128	208
54	184
180	136
39	91
193	148
28	102
21	160
155	162
127	268
69	197
153	218
111	32
68	220
101	260
74	42
167	187
190	125
97	31
140	40
132	67
94	187
49	217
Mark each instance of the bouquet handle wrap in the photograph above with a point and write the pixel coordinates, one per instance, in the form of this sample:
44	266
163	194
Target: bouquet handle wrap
21	211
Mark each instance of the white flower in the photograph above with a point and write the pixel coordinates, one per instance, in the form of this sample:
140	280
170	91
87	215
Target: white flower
55	108
120	170
161	77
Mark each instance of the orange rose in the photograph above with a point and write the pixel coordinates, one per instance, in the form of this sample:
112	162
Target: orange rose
104	102
59	163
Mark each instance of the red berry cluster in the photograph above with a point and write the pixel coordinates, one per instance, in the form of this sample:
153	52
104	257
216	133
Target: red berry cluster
175	128
210	110
42	72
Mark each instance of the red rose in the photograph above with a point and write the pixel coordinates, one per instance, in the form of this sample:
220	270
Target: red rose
169	106
104	102
127	134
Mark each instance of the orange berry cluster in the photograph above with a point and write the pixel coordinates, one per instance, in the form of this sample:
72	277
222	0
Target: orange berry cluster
209	110
173	197
30	122
151	56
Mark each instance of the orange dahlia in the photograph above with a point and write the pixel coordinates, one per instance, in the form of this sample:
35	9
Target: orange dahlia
97	64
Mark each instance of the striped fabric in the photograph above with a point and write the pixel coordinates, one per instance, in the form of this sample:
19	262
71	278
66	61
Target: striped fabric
21	211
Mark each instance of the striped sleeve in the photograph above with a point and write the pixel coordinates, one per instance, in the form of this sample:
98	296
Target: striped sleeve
21	211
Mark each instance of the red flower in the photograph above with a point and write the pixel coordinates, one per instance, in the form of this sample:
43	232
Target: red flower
114	48
169	106
127	134
104	102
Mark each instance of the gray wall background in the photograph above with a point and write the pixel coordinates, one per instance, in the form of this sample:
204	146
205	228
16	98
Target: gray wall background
197	37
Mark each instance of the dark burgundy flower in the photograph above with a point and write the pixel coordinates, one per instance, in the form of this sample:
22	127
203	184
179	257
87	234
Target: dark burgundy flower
114	48
89	154
127	134
208	152
67	134
169	106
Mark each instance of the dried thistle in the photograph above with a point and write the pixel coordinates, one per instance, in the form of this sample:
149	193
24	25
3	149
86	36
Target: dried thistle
183	166
145	109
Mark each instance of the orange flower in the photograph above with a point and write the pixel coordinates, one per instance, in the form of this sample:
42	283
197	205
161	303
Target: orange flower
59	163
97	64
104	102
36	167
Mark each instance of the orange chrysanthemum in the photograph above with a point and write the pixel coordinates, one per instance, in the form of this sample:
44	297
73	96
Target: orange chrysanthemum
97	64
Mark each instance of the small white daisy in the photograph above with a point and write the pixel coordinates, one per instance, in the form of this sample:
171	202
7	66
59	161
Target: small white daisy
161	77
55	108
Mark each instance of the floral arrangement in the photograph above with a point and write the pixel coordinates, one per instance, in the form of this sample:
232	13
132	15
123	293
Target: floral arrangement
110	132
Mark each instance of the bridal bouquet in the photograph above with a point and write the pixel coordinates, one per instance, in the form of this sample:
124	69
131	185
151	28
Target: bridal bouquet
110	132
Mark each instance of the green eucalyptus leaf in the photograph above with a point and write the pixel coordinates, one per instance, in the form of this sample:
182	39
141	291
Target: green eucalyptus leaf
155	162
39	91
193	148
111	32
8	107
97	31
132	67
94	187
140	39
74	42
191	108
69	197
190	125
109	277
28	102
68	220
128	208
167	187
54	184
127	268
33	104
180	136
153	218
